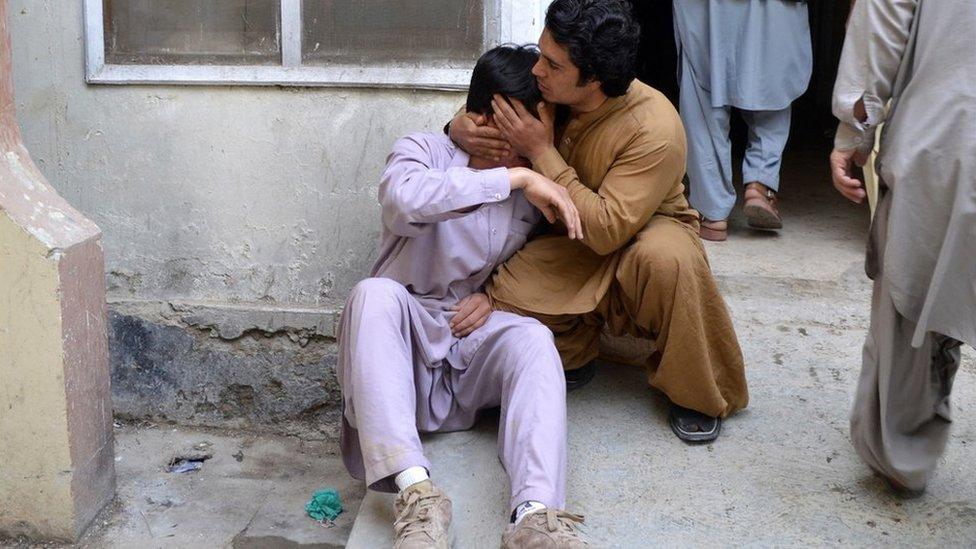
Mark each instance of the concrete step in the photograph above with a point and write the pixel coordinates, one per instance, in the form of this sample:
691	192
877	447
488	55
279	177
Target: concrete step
466	466
250	495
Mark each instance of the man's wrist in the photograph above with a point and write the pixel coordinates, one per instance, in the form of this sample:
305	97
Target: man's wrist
449	129
535	156
516	178
550	164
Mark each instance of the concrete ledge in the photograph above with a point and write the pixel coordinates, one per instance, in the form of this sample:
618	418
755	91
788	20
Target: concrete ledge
271	368
231	321
170	363
241	365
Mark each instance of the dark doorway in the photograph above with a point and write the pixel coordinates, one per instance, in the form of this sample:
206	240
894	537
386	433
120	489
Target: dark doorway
657	58
828	20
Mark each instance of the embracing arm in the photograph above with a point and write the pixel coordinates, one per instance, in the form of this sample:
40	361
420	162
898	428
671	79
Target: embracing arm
413	192
641	177
636	185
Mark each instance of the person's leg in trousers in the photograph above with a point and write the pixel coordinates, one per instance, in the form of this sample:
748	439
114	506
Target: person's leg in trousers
577	336
709	149
377	364
512	362
901	415
768	134
664	289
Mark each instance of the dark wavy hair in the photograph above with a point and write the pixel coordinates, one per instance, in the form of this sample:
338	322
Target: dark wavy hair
602	39
507	71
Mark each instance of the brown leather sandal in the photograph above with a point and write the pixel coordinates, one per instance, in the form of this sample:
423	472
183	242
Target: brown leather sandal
761	207
715	231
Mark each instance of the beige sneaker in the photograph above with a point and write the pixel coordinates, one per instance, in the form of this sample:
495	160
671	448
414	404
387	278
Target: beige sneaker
545	529
423	518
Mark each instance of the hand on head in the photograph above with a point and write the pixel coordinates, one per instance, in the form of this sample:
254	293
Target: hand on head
478	138
528	135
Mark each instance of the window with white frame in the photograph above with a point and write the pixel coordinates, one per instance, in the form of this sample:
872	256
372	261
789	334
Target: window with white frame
384	43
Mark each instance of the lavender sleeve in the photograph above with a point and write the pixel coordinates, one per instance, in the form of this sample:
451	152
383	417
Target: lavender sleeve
418	189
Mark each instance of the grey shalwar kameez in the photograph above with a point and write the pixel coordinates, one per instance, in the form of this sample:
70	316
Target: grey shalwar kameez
919	54
445	229
754	55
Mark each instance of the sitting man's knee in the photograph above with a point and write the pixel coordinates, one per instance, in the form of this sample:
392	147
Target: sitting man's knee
373	293
378	287
536	335
536	348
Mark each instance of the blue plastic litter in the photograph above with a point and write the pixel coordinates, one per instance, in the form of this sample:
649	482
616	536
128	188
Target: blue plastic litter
185	466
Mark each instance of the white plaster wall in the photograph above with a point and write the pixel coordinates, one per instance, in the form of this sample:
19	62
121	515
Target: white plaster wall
224	194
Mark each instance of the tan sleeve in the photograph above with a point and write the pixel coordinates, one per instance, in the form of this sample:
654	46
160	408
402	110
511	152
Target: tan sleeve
635	186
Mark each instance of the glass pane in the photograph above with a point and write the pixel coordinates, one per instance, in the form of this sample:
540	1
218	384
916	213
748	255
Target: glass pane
439	32
194	32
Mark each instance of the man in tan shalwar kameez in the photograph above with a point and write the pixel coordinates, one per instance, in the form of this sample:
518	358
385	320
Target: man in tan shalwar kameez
919	55
640	268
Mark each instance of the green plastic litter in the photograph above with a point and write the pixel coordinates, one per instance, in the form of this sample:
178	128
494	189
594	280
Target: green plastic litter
325	505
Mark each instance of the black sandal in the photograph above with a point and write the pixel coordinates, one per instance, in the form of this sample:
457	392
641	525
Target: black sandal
693	427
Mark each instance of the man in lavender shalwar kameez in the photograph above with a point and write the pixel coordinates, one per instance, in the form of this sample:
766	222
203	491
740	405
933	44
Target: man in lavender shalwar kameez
402	369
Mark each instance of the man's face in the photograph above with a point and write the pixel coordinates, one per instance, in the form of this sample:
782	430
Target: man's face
557	76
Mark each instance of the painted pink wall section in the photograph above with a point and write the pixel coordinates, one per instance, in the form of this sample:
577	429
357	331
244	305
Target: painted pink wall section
72	245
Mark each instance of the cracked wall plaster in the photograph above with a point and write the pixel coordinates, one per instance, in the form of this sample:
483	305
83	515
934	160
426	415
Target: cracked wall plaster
213	193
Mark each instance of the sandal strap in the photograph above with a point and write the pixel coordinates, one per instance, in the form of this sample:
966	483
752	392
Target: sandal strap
763	189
